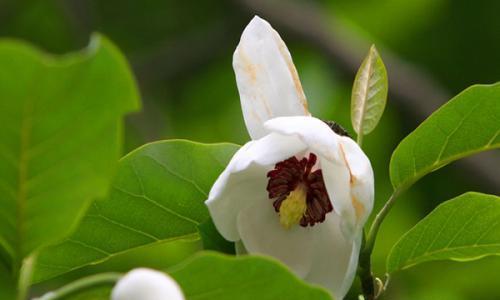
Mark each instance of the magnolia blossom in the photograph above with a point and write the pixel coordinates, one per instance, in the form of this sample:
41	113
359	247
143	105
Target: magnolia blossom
301	190
146	284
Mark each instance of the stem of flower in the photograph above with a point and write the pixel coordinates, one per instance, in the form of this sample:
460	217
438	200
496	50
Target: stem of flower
365	272
360	139
82	284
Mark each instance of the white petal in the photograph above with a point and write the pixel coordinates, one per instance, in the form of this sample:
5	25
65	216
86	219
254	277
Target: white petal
319	138
262	233
335	257
146	284
244	180
336	177
350	185
267	80
361	179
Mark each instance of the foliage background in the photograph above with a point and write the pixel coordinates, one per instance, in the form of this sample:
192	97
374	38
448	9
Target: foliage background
181	53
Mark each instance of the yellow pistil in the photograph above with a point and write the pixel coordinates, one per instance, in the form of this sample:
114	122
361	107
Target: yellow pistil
293	207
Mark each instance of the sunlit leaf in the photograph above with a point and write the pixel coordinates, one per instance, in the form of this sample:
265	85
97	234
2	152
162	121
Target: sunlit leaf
369	93
60	139
467	124
157	195
212	276
464	228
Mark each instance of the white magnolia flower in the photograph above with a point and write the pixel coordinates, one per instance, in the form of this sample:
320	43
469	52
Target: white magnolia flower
146	284
298	191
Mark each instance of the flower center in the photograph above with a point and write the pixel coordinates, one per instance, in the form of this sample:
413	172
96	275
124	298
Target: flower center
298	193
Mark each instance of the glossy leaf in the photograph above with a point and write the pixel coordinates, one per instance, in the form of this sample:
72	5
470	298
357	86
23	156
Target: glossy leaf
60	139
464	228
157	195
369	93
467	124
212	276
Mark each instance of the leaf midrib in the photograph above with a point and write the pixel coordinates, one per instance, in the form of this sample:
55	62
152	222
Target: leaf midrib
423	257
26	128
367	87
432	167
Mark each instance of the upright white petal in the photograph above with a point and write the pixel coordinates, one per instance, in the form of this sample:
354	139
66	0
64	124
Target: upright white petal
335	257
146	284
267	80
262	233
244	179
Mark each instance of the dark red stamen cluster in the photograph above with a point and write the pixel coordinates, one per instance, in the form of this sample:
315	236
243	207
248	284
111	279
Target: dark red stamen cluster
287	175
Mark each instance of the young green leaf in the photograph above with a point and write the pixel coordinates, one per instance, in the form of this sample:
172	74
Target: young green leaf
157	195
242	277
469	123
369	93
60	139
464	228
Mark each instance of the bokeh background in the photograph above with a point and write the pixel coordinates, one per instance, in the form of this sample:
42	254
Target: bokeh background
181	55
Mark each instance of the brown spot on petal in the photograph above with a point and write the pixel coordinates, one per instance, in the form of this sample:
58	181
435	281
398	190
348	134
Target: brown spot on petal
249	68
252	71
293	71
352	178
359	209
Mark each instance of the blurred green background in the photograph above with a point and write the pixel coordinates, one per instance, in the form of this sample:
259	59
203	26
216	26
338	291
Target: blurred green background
181	54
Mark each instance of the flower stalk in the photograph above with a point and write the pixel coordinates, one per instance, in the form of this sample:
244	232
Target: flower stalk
82	284
364	268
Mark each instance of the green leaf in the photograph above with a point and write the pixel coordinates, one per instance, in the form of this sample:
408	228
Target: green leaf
469	123
157	195
464	228
212	276
213	240
60	139
369	93
7	283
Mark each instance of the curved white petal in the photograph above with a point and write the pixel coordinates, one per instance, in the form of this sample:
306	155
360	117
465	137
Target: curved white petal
347	171
244	180
362	179
336	177
335	257
315	133
146	284
262	233
267	80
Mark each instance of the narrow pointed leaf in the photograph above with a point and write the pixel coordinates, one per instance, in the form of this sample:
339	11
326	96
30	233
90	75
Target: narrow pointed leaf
369	93
157	196
60	139
464	228
469	123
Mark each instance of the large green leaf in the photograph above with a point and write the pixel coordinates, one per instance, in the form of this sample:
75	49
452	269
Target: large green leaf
157	195
467	124
7	283
60	139
212	276
216	276
464	228
369	93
